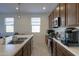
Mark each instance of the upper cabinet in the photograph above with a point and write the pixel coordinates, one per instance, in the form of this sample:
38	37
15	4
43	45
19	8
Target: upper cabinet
63	13
68	12
51	20
56	11
78	14
71	14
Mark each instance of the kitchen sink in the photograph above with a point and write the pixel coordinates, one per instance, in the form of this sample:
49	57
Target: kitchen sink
15	42
21	39
18	41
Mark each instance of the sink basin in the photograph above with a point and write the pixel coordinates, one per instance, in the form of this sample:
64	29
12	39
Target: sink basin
15	42
21	39
18	41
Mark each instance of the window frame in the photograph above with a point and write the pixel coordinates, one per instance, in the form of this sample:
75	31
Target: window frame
7	23
36	23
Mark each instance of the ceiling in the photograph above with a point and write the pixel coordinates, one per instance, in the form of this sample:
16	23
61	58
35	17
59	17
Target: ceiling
27	7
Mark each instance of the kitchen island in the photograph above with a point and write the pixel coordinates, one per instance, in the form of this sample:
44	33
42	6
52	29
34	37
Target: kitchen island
23	49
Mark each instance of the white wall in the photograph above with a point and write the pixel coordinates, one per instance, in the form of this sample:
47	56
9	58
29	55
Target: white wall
23	25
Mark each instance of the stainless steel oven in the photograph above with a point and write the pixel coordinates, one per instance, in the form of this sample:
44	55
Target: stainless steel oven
71	36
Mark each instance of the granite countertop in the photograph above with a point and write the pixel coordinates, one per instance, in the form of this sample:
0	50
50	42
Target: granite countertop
74	50
12	49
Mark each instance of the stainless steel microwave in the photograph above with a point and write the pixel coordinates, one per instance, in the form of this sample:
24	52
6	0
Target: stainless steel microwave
57	22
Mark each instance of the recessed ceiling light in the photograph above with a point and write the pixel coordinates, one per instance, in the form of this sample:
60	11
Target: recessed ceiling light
44	8
17	8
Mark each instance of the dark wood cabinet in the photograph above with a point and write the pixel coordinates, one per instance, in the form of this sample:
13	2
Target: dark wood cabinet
67	53
63	14
71	14
59	50
29	48
56	11
26	49
50	22
52	16
19	53
54	48
46	39
77	13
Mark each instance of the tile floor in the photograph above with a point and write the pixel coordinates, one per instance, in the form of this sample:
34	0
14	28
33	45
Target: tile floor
39	48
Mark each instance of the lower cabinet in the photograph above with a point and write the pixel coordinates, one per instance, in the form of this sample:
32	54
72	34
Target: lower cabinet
59	50
25	50
54	48
19	53
46	39
29	48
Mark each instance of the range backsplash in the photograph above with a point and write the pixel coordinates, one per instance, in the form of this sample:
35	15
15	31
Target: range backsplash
61	31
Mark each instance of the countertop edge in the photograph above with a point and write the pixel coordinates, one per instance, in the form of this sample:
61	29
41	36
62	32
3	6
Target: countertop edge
65	47
23	44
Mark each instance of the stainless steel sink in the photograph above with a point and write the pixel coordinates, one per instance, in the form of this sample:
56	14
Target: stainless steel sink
21	39
15	42
18	41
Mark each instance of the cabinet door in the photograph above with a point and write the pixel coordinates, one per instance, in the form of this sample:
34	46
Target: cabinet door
50	22
46	39
56	11
25	51
78	13
19	53
63	13
52	19
31	44
60	50
29	48
71	14
67	53
54	48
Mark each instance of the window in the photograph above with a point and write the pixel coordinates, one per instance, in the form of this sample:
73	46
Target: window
35	24
9	23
